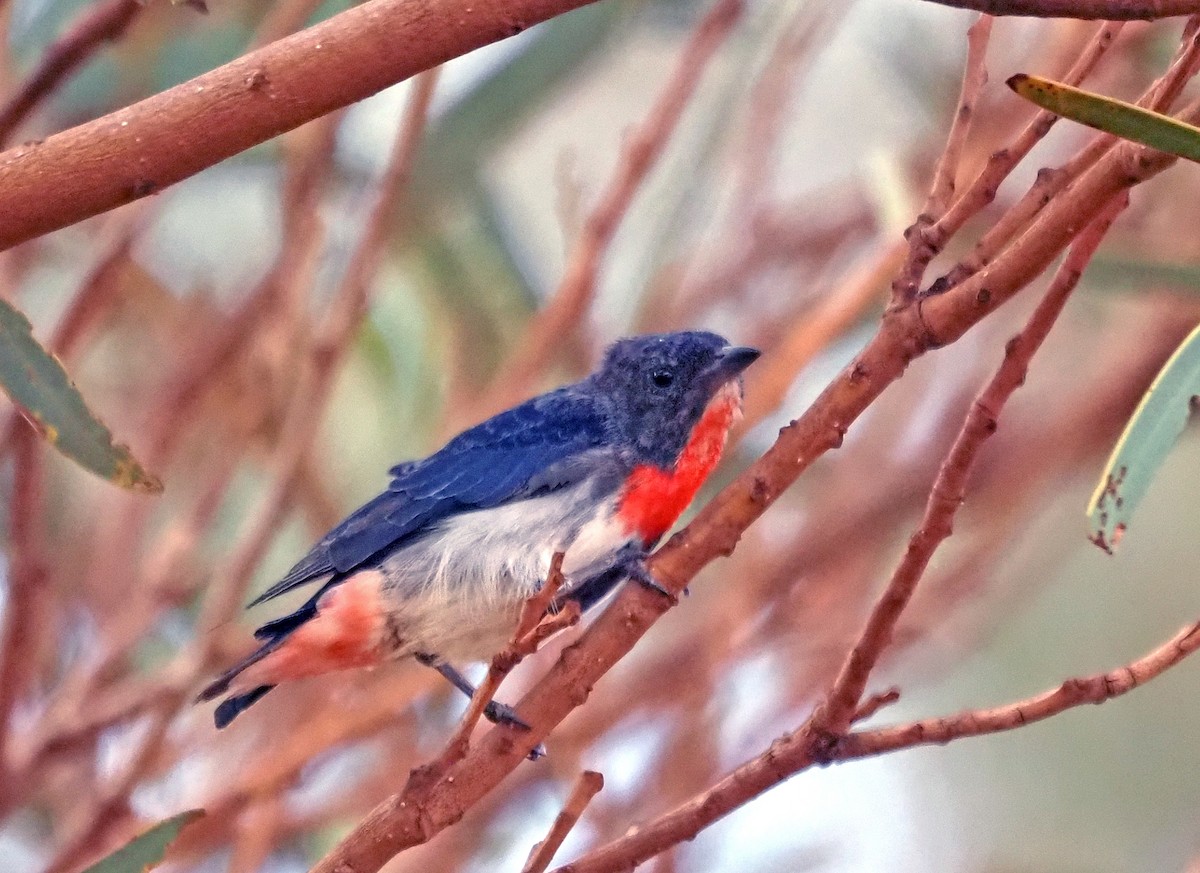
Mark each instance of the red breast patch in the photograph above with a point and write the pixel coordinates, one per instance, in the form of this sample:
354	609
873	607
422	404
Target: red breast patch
654	498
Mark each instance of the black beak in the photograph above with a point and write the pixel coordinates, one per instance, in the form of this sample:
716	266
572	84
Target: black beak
732	360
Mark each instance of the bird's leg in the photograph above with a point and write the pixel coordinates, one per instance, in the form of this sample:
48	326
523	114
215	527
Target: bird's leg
495	712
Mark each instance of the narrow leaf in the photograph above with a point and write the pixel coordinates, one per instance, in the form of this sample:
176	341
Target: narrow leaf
1111	116
37	382
1156	424
145	851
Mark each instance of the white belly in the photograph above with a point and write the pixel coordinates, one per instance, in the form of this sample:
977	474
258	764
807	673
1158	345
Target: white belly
457	591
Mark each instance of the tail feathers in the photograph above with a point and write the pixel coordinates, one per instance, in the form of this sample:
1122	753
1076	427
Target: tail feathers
232	707
221	684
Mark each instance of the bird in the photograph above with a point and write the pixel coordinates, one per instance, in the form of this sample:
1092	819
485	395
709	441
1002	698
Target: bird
438	566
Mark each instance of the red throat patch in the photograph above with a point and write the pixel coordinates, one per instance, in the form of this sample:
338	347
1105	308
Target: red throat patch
653	498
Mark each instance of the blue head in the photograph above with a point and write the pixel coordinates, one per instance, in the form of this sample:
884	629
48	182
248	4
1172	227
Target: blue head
658	385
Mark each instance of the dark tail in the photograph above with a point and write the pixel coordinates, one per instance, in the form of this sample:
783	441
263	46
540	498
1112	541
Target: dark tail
273	634
230	709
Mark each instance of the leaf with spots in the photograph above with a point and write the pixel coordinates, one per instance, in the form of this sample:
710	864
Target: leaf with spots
1117	117
145	851
37	382
1156	424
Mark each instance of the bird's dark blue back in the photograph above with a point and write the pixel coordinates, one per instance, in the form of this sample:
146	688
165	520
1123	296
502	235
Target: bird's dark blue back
521	452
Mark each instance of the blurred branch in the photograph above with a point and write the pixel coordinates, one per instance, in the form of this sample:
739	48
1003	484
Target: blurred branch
26	573
830	721
558	322
95	24
1108	10
156	142
227	590
813	330
587	786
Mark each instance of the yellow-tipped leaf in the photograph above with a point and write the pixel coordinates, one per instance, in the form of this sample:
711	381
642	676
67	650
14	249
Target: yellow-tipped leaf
1111	116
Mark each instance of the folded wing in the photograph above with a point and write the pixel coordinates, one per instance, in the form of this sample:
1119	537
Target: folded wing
549	442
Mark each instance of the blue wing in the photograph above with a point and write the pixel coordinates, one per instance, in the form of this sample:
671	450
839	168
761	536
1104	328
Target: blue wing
544	444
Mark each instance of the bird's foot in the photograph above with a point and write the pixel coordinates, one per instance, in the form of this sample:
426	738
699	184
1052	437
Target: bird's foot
501	713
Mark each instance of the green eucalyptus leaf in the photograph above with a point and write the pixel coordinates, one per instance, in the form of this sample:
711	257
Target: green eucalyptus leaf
37	382
146	850
1156	424
1111	116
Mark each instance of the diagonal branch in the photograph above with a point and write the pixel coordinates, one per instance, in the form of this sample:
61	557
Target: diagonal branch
429	803
1093	689
586	787
949	489
814	741
163	139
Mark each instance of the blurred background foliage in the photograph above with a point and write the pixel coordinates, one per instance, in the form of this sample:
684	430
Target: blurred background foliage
757	211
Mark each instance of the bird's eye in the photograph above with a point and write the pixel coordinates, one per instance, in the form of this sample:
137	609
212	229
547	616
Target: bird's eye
662	378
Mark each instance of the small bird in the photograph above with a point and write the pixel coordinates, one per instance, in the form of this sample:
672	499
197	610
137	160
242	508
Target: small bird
438	566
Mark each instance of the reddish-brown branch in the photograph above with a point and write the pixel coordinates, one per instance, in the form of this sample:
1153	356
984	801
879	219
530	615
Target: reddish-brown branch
586	787
1092	10
431	802
979	722
553	325
831	720
528	635
950	487
871	705
26	573
145	147
95	24
922	246
1050	182
1001	163
785	757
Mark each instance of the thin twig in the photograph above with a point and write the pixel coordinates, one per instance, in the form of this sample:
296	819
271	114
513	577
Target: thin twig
949	488
1051	181
530	631
1093	689
587	786
95	24
1001	163
873	703
555	325
922	246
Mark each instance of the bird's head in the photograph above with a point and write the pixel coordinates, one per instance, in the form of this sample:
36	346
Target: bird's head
659	385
